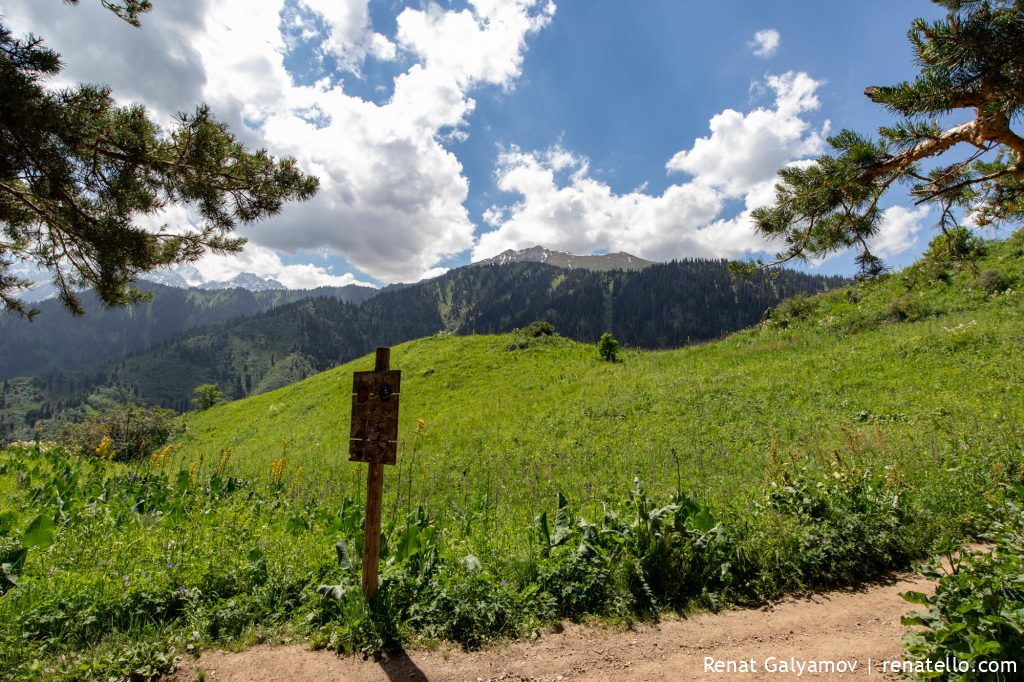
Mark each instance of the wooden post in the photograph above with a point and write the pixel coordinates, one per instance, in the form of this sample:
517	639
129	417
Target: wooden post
374	500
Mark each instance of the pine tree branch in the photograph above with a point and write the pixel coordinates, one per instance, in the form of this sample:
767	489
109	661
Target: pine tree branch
965	132
952	189
178	165
997	129
76	170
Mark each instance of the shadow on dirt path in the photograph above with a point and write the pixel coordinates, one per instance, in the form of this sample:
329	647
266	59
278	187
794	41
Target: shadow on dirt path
858	626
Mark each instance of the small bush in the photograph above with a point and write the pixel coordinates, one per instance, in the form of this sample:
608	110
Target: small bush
467	606
927	271
539	328
134	431
906	308
206	396
954	246
608	347
798	307
993	282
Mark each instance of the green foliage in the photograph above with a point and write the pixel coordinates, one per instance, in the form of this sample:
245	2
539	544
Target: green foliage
956	245
993	281
40	532
608	348
907	307
794	309
977	612
129	10
13	550
539	328
969	60
206	396
950	252
467	605
134	431
757	486
76	170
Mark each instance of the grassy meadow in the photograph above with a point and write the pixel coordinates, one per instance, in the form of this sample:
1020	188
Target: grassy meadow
849	434
504	431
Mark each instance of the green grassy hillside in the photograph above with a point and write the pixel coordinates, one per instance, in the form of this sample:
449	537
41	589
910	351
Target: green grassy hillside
664	305
910	370
846	436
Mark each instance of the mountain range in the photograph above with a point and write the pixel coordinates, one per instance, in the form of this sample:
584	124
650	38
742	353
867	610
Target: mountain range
570	261
180	277
58	368
187	276
57	341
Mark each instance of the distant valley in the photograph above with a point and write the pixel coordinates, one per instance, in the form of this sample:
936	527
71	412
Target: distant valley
57	341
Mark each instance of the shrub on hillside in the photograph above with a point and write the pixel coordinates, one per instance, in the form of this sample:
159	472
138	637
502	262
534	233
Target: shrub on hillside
206	396
539	328
957	245
798	307
608	347
906	308
133	431
947	253
993	282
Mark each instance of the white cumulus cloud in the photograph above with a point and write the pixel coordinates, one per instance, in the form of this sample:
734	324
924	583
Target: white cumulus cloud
392	197
765	42
899	230
743	148
268	263
351	38
561	206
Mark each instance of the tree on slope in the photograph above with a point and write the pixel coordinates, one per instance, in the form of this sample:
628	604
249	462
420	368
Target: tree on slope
77	171
973	61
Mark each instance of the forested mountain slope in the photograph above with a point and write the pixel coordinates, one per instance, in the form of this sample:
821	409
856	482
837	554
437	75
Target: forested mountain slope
55	341
663	305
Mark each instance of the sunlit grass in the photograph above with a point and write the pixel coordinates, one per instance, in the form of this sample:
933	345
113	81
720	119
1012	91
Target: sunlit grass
504	430
829	425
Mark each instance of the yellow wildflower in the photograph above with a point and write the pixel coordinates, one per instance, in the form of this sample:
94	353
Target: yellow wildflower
225	457
277	470
297	478
105	450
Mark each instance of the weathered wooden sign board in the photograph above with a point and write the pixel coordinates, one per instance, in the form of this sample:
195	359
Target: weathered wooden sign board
373	438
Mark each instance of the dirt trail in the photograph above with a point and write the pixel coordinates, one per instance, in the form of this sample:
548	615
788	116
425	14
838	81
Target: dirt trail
837	626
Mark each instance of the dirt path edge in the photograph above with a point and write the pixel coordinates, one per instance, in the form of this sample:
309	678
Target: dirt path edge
798	638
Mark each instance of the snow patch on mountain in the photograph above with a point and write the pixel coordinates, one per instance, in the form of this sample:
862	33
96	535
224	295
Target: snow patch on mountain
187	276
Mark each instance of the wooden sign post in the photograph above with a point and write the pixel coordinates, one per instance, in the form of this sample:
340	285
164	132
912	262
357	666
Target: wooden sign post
374	439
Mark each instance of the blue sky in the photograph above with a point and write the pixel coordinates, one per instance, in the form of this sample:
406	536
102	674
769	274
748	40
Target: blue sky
447	132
